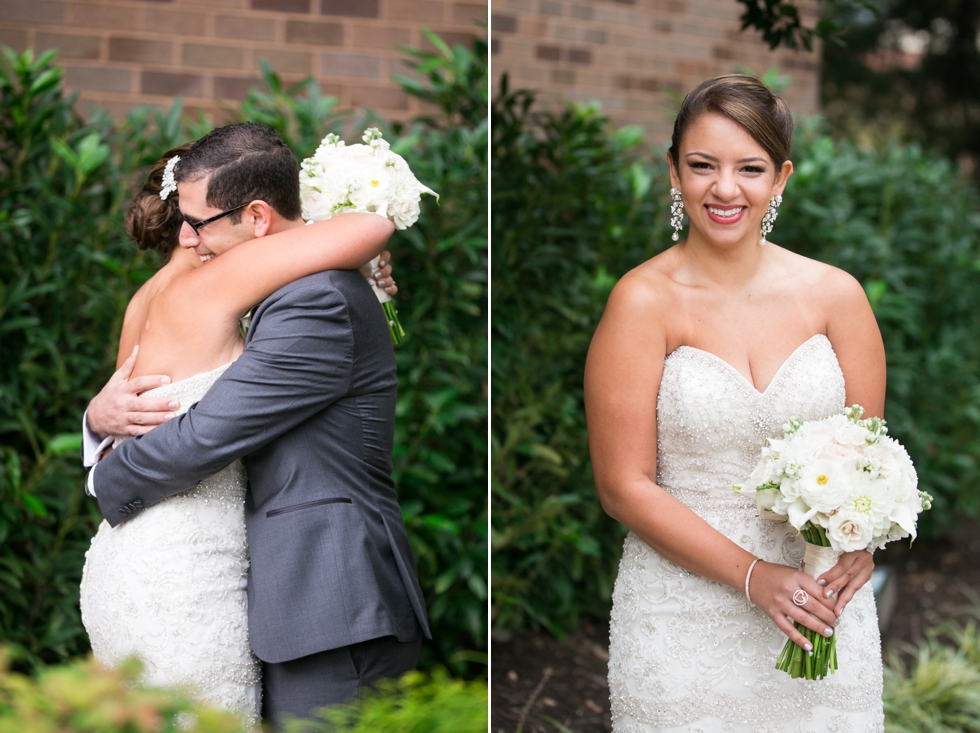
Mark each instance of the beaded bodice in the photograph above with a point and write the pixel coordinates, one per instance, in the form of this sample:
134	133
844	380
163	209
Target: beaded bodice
711	422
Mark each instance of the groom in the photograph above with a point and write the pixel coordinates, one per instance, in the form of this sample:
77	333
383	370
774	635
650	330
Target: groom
333	597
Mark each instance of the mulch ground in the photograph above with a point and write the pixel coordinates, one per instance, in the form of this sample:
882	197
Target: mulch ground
539	684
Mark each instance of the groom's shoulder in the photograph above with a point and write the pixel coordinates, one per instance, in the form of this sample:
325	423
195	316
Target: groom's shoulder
344	293
326	286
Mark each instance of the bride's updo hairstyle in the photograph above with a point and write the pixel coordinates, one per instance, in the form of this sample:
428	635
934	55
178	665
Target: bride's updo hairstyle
746	101
152	222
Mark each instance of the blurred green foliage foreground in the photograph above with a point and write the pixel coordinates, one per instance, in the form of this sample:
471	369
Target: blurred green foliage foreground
67	271
575	206
84	698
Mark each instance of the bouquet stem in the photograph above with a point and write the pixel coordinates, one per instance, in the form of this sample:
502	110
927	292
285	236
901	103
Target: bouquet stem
397	332
822	661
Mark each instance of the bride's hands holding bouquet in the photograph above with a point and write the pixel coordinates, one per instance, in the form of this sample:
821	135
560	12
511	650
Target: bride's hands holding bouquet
845	579
847	488
773	587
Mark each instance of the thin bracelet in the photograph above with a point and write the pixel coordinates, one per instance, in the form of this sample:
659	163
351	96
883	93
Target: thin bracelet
748	575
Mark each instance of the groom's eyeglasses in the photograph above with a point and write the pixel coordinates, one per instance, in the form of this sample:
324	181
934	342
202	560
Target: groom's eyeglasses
198	225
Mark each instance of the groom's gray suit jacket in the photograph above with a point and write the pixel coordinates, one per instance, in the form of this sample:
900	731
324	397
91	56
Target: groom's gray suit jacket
310	405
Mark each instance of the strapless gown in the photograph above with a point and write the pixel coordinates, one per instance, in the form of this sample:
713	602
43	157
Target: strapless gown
169	586
689	654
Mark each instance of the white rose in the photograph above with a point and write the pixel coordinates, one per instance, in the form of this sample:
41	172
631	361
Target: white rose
821	431
844	455
852	435
881	461
905	467
848	533
403	212
316	207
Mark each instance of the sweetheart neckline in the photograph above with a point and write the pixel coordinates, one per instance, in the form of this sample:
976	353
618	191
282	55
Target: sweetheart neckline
741	376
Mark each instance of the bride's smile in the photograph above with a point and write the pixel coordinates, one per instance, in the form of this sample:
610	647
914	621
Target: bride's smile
723	215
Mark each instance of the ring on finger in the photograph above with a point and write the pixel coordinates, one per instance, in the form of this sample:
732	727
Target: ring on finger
800	597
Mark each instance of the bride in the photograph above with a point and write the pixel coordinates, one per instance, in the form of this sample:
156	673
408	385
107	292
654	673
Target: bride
170	585
703	352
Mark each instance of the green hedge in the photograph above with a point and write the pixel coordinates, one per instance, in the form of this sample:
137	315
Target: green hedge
67	271
576	206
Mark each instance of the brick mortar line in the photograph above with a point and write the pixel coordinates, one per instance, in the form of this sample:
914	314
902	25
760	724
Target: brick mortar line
223	41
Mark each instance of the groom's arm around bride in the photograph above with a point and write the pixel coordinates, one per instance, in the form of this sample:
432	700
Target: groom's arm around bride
310	404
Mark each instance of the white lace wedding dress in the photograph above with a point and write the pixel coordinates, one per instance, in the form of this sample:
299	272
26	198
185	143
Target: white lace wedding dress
689	654
169	585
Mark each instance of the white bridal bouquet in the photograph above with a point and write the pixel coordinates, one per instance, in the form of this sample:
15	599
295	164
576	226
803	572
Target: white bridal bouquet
339	178
845	486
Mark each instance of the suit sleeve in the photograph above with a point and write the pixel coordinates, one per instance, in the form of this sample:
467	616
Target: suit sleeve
298	360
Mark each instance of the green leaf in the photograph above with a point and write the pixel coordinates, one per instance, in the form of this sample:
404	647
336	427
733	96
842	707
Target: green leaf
65	443
33	504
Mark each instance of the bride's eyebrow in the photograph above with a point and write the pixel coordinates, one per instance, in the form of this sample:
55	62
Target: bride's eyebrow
751	159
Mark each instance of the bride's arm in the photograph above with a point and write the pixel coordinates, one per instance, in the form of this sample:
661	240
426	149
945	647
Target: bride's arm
854	334
622	380
248	273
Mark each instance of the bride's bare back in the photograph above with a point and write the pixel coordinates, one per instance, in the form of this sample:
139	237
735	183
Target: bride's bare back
170	342
185	319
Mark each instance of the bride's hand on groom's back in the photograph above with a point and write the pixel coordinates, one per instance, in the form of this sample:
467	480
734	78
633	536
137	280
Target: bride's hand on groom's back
772	589
119	410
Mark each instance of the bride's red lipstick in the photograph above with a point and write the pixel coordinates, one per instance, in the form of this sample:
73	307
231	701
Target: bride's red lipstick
725	219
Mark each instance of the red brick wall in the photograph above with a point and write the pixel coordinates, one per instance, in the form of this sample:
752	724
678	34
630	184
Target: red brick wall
121	53
636	56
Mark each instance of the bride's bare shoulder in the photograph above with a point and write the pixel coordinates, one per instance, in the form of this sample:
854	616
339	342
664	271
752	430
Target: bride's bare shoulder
824	284
649	285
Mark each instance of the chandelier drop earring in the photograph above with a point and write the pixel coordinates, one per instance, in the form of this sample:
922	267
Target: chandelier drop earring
676	213
770	218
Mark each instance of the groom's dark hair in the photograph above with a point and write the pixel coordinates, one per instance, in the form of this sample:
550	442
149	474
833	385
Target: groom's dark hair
246	162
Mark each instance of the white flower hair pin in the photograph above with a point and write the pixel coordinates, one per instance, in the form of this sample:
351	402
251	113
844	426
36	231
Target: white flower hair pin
169	183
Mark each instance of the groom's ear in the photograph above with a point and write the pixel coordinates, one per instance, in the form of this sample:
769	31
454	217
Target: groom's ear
258	216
